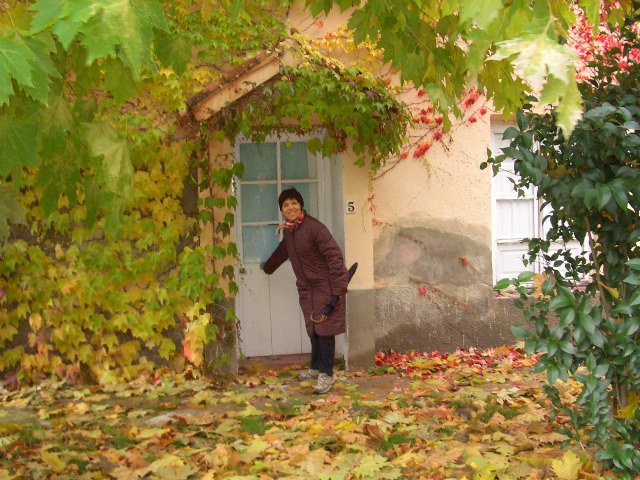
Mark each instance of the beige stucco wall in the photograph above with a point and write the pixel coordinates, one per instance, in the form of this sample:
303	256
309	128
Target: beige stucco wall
446	185
359	231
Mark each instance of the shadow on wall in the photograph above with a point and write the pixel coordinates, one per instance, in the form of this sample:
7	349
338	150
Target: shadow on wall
433	292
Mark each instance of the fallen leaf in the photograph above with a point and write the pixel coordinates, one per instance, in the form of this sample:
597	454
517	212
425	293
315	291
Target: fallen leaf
567	467
53	461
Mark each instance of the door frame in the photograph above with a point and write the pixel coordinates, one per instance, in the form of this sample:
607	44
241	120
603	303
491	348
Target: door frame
329	206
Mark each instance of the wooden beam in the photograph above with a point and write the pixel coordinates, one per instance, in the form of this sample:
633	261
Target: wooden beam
230	92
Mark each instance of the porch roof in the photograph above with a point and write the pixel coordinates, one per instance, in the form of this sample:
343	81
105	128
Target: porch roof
232	86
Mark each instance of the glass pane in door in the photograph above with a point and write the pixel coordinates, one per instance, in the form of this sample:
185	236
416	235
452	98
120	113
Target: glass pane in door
259	159
259	202
258	243
296	162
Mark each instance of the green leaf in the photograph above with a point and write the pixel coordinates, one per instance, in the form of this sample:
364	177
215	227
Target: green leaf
536	56
633	278
541	61
590	362
502	284
16	59
597	338
43	70
47	13
560	301
173	50
587	322
627	306
118	80
601	370
620	196
592	10
520	331
121	28
526	276
67	25
569	107
19	146
567	316
10	210
634	263
480	13
509	133
116	170
237	6
568	347
548	286
604	195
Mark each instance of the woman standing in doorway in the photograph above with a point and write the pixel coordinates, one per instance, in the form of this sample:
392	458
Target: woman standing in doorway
320	272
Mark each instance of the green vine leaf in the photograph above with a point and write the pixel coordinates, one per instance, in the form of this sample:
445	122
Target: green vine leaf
16	59
10	210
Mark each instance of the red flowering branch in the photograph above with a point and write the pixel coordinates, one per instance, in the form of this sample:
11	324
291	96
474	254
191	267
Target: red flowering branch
428	126
607	45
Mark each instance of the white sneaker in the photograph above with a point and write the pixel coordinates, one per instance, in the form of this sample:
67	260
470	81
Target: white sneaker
324	383
308	374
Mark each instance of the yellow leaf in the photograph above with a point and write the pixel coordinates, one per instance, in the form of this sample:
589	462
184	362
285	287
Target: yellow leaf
560	171
150	433
567	468
81	408
249	411
348	426
613	291
218	457
68	286
538	281
316	429
35	320
633	401
53	461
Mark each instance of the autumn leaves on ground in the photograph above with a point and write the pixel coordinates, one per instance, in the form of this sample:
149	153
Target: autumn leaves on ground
470	414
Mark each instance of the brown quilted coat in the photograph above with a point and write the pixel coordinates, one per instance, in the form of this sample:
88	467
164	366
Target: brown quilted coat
318	264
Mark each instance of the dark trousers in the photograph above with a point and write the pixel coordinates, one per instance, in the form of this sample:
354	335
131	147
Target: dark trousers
323	353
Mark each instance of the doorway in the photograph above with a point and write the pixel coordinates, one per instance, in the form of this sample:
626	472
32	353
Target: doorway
271	322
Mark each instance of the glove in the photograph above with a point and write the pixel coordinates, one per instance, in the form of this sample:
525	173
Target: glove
330	305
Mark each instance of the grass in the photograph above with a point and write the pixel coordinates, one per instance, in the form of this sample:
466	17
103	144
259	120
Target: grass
254	425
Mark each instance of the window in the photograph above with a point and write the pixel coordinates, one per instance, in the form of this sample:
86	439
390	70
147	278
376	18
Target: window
269	168
514	218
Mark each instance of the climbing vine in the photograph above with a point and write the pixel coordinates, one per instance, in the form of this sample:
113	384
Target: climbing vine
103	275
346	103
118	254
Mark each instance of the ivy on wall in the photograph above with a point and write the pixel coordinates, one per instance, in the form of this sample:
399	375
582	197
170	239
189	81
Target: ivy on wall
346	103
103	275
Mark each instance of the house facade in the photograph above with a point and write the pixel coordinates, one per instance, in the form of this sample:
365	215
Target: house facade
431	232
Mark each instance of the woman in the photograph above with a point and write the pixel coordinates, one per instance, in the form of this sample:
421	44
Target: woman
320	274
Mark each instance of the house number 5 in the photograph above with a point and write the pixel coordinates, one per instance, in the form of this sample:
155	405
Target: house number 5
351	207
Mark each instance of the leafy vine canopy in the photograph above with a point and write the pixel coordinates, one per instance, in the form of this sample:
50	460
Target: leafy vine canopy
312	92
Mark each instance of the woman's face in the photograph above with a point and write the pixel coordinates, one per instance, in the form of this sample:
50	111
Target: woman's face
291	209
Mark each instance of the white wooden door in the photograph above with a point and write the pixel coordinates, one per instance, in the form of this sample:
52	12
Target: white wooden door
271	321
